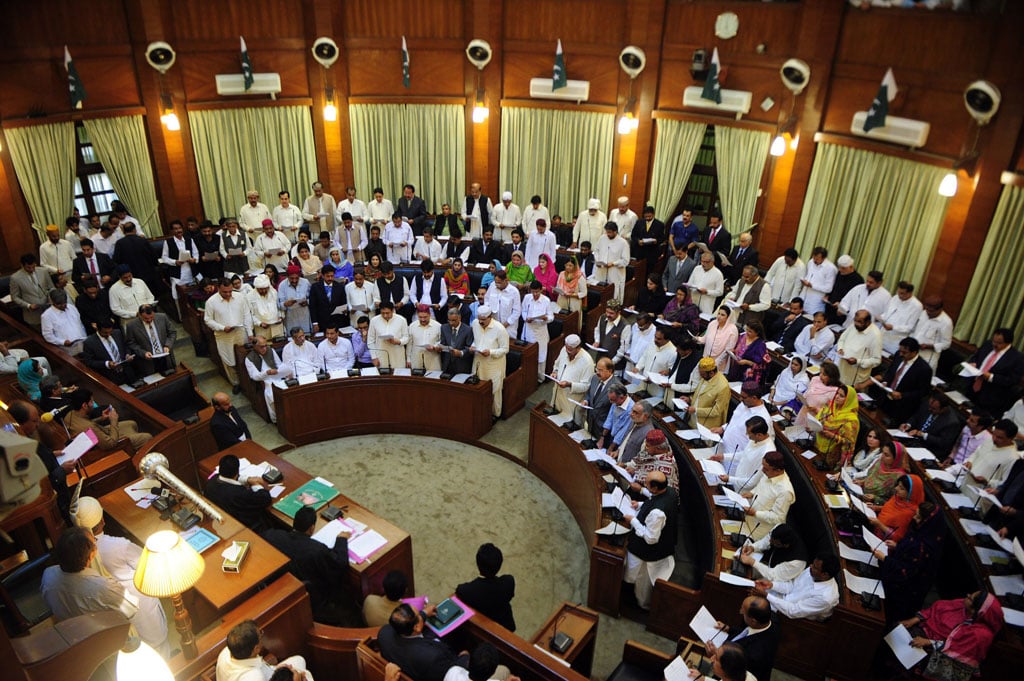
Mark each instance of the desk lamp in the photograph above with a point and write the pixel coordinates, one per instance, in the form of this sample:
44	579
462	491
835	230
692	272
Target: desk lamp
167	568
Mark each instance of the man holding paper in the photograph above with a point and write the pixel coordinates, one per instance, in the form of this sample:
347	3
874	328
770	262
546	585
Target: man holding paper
651	547
709	404
151	337
571	375
318	561
757	636
900	390
771	497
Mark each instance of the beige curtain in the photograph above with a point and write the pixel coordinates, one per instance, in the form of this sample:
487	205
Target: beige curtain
992	300
564	156
269	149
419	144
884	211
677	147
739	159
44	161
121	147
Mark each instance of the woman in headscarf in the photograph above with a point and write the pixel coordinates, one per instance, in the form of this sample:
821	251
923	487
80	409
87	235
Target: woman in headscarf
719	339
29	376
651	298
456	279
309	263
840	425
882	475
519	273
752	353
895	515
371	271
820	391
343	269
545	273
792	381
908	570
572	287
488	278
681	312
960	629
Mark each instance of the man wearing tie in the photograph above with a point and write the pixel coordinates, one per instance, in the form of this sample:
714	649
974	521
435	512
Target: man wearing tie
226	424
151	337
742	255
90	263
1000	366
30	287
717	238
596	396
908	382
648	238
106	352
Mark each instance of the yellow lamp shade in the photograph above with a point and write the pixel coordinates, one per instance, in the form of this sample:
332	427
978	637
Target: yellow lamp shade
168	566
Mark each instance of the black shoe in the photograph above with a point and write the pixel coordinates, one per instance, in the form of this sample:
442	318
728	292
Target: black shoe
495	419
550	411
237	390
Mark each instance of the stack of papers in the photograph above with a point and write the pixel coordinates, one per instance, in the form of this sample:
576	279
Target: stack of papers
712	471
617	499
365	545
859	585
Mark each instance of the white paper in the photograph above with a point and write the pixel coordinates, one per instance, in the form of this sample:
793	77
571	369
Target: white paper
730	578
723	501
706	434
658	379
140	489
276	491
939	474
988	496
881	385
635	376
773	346
899	640
992	556
231	552
560	419
874	542
837	500
969	371
78	447
595	348
579	404
705	626
369	371
306	379
730	526
859	585
849	553
365	544
579	435
920	454
736	498
851	485
896	433
973	527
956	396
152	378
1014	617
1006	584
612	529
862	507
955	501
813	424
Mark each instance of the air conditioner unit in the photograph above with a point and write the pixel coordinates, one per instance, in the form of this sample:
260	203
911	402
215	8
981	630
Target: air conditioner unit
905	132
574	90
262	84
733	101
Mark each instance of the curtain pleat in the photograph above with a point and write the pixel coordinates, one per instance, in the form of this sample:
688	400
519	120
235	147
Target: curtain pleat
121	147
676	150
739	158
44	161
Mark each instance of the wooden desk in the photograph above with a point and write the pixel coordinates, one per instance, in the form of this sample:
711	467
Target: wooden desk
383	404
365	578
581	625
217	591
558	460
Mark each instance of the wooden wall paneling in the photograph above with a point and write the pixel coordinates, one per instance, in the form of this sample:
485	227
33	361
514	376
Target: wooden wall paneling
818	35
576	22
646	26
482	19
201	62
412	18
965	228
16	235
334	165
435	68
225	20
597	63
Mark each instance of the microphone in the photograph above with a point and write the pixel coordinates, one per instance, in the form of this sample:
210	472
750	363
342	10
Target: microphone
732	463
972	512
870	599
560	641
738	539
58	413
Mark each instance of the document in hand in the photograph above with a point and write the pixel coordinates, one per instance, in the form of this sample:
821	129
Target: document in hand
705	626
78	447
736	498
899	640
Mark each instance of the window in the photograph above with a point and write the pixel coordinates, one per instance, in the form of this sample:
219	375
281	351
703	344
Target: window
93	191
701	194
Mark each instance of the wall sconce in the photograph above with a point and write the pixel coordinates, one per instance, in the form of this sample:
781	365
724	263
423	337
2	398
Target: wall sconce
168	117
167	568
480	110
330	110
947	187
778	147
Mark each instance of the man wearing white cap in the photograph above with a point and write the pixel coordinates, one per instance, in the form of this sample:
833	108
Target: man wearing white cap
624	218
490	345
266	316
118	557
572	371
589	224
611	257
506	217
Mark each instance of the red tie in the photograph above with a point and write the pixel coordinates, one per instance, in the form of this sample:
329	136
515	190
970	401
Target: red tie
985	367
92	265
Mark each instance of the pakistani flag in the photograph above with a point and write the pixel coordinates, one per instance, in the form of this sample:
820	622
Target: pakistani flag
75	88
880	107
558	77
405	63
246	65
712	89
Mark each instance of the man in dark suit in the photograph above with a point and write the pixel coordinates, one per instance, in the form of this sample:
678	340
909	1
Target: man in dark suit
717	238
490	594
743	254
1001	367
935	425
324	296
136	252
677	270
485	250
107	353
151	333
94	264
787	329
644	232
374	244
226	424
758	636
909	380
515	245
93	304
406	641
596	396
237	497
320	567
458	336
412	209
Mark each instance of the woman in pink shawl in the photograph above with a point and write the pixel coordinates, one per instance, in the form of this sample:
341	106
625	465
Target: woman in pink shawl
820	392
545	273
962	629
